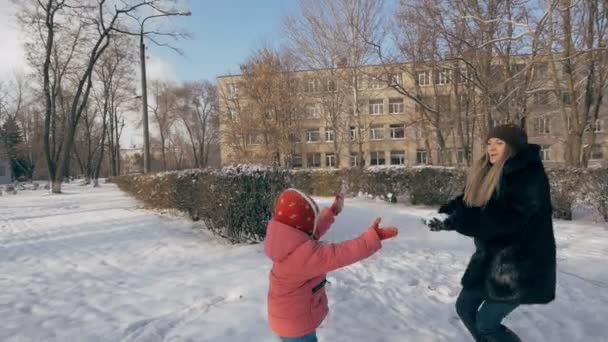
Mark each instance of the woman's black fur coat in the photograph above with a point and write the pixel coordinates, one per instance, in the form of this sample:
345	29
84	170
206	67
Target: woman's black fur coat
515	256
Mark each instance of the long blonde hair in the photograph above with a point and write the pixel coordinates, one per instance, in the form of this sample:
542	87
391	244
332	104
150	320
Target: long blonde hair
483	179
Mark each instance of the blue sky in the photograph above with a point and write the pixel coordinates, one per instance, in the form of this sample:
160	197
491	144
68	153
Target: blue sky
224	34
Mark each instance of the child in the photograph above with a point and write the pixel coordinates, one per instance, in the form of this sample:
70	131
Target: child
297	303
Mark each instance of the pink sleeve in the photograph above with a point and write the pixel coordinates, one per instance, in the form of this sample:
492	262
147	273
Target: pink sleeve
325	258
325	222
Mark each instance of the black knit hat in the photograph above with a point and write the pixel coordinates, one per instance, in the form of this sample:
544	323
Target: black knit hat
512	134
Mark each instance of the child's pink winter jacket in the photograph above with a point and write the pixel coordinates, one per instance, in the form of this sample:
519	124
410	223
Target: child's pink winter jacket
297	303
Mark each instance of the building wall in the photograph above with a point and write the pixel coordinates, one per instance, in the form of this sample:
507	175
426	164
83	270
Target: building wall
550	138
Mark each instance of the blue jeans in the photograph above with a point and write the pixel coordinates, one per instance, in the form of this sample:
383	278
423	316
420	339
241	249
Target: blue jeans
312	337
482	318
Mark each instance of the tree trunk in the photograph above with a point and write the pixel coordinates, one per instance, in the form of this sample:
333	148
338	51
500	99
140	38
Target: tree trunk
102	152
162	150
111	146
117	140
574	144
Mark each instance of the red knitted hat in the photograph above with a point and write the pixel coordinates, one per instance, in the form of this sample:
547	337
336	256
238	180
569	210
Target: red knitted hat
297	210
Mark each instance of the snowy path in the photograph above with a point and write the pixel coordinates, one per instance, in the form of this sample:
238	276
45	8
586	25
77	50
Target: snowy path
90	266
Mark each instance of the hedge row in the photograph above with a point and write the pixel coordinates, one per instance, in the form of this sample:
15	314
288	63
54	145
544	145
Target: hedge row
237	202
234	203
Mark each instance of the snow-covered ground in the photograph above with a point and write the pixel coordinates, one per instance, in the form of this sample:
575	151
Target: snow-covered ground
90	266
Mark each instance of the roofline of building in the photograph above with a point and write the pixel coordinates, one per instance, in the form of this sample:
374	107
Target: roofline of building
368	66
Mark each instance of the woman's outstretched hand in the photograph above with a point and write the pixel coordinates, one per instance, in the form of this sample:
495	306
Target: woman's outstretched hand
438	223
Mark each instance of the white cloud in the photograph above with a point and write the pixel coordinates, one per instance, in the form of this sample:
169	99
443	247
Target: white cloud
158	68
12	56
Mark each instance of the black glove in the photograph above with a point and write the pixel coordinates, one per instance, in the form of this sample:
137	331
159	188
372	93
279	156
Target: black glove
436	225
446	208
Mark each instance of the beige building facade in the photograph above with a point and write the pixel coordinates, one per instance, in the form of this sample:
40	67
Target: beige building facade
387	126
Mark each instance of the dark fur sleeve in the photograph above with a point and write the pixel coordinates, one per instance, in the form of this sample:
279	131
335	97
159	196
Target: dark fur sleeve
452	206
522	201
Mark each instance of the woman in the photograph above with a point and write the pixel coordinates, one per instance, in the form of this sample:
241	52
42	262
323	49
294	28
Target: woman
506	208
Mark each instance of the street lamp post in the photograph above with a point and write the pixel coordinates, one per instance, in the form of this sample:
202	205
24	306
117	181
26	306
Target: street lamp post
144	86
144	100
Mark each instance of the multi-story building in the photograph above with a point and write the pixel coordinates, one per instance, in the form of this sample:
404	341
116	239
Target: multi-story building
404	115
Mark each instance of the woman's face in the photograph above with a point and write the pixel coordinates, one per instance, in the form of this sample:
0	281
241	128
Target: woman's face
496	150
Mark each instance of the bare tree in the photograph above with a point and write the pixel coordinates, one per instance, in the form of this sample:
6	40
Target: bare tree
164	113
474	61
334	34
577	44
116	88
155	10
68	38
17	104
197	110
87	144
273	116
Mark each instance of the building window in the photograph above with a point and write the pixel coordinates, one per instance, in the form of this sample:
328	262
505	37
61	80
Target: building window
566	98
542	125
545	152
3	172
395	106
353	133
541	71
375	82
313	135
252	139
330	160
330	135
596	152
377	158
397	157
313	111
463	76
359	82
296	160
460	156
597	126
233	114
295	138
377	132
443	77
330	86
312	85
421	157
313	160
397	131
376	107
354	159
444	156
396	79
233	91
423	78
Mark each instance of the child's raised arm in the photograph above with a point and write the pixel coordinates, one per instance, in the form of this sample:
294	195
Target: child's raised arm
319	258
327	216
